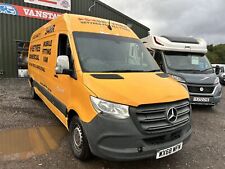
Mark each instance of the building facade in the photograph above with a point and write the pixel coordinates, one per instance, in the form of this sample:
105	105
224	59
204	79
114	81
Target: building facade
20	18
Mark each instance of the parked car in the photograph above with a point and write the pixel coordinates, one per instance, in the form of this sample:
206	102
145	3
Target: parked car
221	73
185	60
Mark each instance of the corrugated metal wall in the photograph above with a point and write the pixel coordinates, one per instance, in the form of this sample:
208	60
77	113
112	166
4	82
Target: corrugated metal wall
14	28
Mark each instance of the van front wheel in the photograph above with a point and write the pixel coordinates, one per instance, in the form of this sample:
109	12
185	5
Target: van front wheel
78	140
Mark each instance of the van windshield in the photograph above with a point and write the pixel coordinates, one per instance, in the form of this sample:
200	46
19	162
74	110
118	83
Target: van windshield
108	53
181	61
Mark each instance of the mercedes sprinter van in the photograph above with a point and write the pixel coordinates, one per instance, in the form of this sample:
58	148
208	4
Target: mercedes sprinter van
100	81
184	58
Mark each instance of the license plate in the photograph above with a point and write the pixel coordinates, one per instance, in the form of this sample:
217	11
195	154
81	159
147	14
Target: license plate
169	151
201	99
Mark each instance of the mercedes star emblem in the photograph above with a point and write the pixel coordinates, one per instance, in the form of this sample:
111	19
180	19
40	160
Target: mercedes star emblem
172	115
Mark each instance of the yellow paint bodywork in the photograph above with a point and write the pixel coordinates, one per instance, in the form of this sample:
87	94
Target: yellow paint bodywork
135	89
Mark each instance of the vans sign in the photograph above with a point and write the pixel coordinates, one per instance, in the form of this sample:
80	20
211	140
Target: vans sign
27	12
40	14
60	4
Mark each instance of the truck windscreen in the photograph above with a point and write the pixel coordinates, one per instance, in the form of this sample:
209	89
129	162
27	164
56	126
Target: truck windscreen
181	61
108	53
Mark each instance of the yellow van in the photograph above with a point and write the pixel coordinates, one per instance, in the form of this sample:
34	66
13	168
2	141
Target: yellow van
100	81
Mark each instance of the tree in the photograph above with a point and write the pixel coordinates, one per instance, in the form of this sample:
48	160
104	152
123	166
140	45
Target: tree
216	54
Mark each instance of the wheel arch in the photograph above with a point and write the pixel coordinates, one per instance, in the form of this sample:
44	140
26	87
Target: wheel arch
71	113
30	80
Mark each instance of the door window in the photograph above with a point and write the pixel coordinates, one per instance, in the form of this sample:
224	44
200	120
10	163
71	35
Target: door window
64	48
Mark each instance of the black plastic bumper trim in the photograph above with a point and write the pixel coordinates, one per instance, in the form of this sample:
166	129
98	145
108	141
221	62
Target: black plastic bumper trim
58	104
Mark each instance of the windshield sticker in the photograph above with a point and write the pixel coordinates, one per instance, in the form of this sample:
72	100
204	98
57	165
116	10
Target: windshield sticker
195	60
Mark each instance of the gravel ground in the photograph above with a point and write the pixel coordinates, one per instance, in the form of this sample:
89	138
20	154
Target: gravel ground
205	150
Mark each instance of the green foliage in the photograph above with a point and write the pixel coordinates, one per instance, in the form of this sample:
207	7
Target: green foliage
216	54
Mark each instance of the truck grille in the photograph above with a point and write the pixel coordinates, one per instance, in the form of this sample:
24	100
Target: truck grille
200	89
153	118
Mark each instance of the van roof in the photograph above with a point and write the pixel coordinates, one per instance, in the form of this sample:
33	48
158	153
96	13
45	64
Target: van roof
177	39
82	23
178	44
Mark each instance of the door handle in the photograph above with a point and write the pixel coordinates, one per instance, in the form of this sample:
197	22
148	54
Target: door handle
56	76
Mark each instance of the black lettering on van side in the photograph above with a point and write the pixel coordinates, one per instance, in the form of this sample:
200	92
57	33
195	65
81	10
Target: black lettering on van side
50	29
35	48
36	36
47	43
45	59
46	51
102	22
37	67
35	57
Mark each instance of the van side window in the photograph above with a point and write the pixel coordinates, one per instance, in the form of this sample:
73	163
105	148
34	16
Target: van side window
159	59
64	48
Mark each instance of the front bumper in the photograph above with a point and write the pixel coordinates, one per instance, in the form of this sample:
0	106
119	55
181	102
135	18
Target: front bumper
214	97
120	140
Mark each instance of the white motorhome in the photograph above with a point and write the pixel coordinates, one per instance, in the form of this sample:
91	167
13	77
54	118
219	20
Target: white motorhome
184	58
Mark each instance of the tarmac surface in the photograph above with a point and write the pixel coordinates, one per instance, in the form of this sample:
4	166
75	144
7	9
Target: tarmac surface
31	137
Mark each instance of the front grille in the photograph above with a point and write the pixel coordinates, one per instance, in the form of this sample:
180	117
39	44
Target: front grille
200	89
153	118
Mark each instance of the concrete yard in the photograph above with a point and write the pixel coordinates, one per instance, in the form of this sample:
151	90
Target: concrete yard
32	137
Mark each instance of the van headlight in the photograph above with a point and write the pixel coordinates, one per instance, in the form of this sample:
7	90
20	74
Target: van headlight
117	110
177	78
217	80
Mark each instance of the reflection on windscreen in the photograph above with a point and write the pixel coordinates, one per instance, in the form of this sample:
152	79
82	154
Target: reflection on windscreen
187	61
107	53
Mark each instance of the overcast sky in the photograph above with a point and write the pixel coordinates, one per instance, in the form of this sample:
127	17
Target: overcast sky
200	18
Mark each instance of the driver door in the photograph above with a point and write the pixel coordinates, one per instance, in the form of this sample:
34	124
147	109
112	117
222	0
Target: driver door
63	81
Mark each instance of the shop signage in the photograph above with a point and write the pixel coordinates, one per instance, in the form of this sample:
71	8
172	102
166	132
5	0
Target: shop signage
60	4
27	12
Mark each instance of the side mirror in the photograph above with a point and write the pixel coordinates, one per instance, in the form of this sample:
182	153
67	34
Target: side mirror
217	70
63	65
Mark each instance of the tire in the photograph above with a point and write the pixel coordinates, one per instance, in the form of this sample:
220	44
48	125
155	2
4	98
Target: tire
34	94
79	140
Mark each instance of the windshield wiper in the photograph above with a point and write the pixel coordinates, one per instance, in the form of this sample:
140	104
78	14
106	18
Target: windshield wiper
186	70
206	69
156	70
